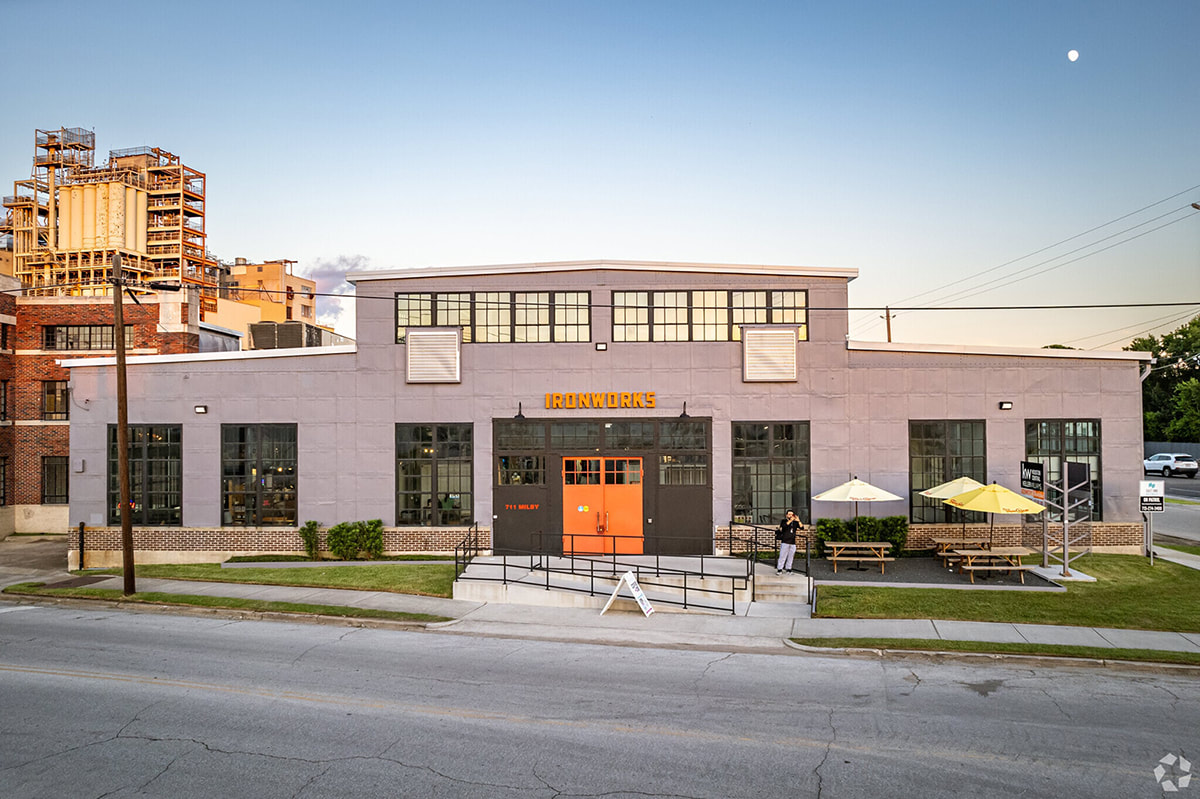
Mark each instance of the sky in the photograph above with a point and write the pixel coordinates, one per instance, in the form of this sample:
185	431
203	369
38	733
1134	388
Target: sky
949	151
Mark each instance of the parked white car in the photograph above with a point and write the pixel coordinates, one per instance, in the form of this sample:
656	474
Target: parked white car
1167	464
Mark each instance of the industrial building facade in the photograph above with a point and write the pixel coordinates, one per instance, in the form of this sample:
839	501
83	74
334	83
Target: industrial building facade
60	231
646	404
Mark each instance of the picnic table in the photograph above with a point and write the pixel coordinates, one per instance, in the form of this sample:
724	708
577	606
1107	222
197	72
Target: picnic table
858	552
946	546
1005	559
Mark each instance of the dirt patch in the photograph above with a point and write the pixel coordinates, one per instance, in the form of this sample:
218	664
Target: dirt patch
78	582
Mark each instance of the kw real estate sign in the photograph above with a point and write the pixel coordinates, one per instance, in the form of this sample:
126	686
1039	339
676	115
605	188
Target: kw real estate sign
1033	479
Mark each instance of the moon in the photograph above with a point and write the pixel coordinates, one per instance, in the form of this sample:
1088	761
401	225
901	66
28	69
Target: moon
1073	55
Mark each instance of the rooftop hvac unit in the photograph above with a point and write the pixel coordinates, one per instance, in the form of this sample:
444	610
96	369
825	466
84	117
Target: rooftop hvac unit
262	336
289	335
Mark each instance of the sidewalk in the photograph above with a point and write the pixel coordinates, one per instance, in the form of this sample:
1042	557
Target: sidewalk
764	626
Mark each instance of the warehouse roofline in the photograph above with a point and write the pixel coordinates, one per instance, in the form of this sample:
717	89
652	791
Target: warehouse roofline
846	273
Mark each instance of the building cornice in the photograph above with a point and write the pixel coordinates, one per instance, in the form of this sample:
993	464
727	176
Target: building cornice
542	267
201	357
987	349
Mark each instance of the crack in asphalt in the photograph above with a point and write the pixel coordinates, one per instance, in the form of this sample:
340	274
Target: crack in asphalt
1056	704
338	640
828	749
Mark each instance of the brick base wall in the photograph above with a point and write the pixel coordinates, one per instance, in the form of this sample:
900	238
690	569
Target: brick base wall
102	545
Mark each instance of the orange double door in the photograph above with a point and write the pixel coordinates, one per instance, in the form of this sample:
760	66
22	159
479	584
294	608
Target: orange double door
602	505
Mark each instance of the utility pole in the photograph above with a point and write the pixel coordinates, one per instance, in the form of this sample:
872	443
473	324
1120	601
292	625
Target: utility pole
887	314
122	428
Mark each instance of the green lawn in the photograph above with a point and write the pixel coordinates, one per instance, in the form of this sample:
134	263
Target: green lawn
224	603
428	579
1128	593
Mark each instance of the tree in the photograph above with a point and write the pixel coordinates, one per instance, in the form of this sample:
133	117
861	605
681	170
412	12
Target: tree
1178	361
1186	424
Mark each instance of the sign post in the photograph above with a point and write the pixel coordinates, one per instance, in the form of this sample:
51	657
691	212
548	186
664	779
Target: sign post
1033	484
1151	498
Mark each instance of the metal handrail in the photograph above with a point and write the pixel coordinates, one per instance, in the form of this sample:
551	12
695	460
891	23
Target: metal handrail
531	561
466	549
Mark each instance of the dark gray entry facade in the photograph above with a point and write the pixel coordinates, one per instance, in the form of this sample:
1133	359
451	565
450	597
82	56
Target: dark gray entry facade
529	476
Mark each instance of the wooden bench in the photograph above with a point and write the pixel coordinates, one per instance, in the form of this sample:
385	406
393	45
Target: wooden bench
858	559
1003	567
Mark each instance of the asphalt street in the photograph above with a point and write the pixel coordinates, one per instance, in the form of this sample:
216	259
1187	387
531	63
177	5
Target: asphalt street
1178	520
112	703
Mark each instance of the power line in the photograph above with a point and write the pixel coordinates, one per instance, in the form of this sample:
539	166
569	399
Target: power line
871	323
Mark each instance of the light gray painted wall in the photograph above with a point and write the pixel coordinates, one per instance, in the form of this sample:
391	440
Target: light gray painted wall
859	403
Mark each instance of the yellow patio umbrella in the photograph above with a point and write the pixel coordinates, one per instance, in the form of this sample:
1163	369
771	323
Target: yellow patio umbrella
959	485
856	491
993	499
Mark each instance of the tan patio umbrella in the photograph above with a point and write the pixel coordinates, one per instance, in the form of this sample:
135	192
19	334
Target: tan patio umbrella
856	491
993	499
959	485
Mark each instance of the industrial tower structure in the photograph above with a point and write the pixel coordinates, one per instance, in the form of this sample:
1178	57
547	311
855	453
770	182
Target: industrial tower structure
70	217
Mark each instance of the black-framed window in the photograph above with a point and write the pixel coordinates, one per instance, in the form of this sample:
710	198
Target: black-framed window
499	316
3	480
520	452
1057	441
939	451
54	480
704	314
3	400
155	475
684	458
258	475
54	400
771	471
82	337
434	474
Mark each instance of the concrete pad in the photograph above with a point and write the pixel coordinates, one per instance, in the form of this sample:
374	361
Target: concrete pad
978	631
863	628
1149	639
1067	636
1193	637
1054	573
779	610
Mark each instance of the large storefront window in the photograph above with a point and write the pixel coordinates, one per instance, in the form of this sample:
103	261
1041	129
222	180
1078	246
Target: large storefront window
155	475
1057	441
771	472
940	451
434	474
499	316
258	475
704	315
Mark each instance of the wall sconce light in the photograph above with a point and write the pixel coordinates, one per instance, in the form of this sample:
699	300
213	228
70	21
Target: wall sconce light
520	413
684	415
601	346
200	409
1006	406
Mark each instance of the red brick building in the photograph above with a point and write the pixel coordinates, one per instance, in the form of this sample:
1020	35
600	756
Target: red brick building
37	405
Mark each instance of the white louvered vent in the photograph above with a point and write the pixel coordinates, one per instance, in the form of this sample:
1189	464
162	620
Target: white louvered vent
434	356
768	354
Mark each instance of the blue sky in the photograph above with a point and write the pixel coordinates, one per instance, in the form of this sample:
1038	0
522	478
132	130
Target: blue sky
920	142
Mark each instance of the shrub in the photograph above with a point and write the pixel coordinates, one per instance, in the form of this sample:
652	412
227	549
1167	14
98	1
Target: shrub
311	537
350	540
893	529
